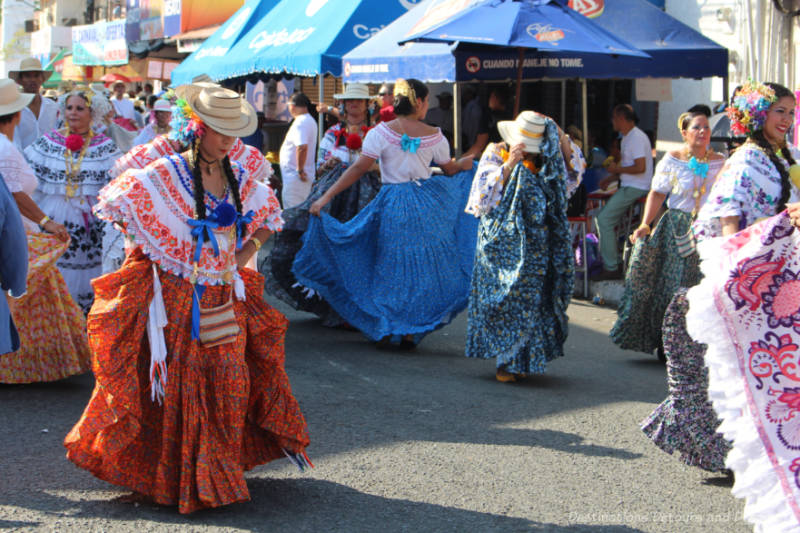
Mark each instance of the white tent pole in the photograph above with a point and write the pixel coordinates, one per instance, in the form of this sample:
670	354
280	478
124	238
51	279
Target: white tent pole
456	120
585	118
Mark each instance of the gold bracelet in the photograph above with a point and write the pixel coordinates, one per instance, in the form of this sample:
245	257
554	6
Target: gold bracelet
257	242
44	221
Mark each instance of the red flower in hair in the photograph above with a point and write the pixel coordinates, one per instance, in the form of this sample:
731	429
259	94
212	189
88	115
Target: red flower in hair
74	142
354	141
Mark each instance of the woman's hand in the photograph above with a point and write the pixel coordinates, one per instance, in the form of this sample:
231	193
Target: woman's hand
515	155
317	206
56	229
641	232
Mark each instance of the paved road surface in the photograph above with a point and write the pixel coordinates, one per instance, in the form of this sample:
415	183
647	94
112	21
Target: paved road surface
421	441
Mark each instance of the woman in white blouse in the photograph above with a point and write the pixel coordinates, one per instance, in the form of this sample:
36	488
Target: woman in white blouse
401	268
51	326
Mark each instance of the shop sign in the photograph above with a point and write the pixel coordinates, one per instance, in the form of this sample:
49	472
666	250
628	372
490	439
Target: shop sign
102	43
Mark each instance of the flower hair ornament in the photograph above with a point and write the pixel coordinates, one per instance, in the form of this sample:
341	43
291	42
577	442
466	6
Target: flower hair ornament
403	88
186	125
748	110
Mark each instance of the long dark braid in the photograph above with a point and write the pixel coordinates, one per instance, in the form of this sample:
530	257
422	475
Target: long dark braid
233	183
197	177
760	140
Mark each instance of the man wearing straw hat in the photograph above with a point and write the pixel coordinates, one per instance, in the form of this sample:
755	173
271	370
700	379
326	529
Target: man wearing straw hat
31	76
162	113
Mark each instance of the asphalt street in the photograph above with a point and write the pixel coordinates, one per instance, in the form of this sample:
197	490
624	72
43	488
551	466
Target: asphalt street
418	441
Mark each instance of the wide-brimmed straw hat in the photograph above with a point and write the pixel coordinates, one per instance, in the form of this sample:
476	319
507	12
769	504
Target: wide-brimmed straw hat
353	91
12	99
527	128
29	64
220	109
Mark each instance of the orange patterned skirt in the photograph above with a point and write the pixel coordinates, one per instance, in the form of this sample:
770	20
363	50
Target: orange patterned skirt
226	409
51	326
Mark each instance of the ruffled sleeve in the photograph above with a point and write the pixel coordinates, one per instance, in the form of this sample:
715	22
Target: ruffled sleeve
261	199
664	175
326	146
441	150
739	183
487	186
16	172
576	167
374	143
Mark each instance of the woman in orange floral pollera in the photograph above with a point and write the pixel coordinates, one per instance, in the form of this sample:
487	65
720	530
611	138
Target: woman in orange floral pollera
191	389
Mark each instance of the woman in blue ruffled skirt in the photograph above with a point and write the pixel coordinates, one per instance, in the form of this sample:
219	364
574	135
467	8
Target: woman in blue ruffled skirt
401	268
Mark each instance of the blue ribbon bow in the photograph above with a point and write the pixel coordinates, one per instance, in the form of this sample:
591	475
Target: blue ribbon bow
699	169
408	144
241	226
202	231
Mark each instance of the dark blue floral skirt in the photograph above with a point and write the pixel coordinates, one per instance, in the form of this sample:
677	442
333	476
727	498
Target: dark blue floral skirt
655	274
523	277
402	265
277	268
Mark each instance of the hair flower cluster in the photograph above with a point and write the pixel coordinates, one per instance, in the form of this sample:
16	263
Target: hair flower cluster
186	125
748	110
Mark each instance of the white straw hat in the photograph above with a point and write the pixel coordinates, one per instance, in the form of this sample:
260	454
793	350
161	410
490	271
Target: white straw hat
221	109
353	91
12	99
162	105
527	128
29	64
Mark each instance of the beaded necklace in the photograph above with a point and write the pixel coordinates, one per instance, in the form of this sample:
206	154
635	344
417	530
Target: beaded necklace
74	167
699	168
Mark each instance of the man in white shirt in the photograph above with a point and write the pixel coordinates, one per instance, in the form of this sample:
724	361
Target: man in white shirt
43	112
297	153
123	106
635	170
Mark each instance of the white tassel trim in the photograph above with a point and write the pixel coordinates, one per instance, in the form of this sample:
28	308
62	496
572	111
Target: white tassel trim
238	286
156	322
307	291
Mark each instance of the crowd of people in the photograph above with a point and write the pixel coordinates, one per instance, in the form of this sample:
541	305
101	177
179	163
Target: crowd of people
138	262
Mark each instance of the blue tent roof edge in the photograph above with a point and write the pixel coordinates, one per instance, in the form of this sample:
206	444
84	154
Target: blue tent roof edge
677	51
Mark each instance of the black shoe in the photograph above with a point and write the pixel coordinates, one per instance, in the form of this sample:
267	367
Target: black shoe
606	275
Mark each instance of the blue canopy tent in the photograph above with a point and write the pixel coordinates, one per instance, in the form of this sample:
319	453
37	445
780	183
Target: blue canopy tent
212	52
543	25
306	38
677	51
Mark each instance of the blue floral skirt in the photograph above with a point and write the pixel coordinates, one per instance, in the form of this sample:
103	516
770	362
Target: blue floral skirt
402	265
277	268
655	274
523	277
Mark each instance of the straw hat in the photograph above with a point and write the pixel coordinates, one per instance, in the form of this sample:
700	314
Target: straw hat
527	128
220	109
29	64
202	78
12	99
51	93
162	105
353	91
